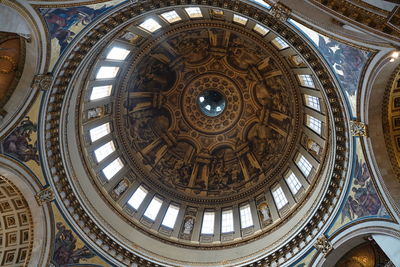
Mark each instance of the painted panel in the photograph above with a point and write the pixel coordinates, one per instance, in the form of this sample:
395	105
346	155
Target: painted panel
64	24
362	200
347	62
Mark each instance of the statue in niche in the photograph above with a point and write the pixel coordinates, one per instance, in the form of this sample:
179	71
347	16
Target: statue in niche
95	112
130	37
265	212
120	188
313	147
188	226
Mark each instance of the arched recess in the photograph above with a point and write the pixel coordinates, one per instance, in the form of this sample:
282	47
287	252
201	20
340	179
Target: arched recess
20	18
351	238
373	105
42	217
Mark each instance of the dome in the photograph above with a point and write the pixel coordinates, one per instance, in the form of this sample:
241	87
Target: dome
196	128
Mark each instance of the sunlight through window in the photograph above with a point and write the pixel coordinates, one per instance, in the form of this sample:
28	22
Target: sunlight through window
239	19
137	198
153	209
261	30
208	223
194	12
170	216
227	221
304	165
171	16
105	150
294	183
107	72
279	197
113	168
150	25
118	53
99	92
246	219
99	131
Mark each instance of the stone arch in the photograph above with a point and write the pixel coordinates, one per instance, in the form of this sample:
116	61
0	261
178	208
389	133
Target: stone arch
374	101
25	222
19	18
352	237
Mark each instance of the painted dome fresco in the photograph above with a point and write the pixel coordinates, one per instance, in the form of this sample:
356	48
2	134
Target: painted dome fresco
201	128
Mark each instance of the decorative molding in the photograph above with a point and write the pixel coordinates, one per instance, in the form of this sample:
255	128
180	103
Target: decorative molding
358	128
45	196
42	81
280	11
370	21
323	245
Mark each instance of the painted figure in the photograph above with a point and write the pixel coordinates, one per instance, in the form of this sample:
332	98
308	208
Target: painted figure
347	62
363	199
19	143
61	20
65	251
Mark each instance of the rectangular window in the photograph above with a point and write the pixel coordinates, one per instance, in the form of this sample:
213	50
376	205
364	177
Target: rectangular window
294	183
170	216
227	221
279	197
113	168
306	80
118	53
313	102
208	223
153	209
279	43
262	3
261	29
150	25
246	219
105	150
304	165
239	19
314	124
137	197
171	16
99	92
107	72
194	12
99	131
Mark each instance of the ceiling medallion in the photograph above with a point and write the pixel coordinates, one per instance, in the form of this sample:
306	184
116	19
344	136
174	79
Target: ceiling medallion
210	112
